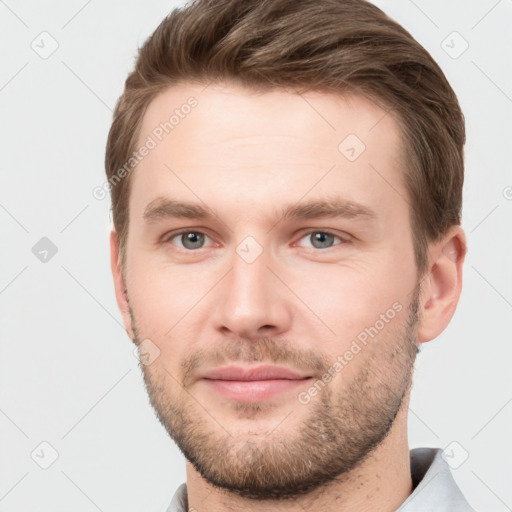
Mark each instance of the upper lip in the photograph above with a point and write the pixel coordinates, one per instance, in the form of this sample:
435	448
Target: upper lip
252	373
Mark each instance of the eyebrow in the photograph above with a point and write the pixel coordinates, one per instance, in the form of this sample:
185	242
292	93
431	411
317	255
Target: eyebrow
164	208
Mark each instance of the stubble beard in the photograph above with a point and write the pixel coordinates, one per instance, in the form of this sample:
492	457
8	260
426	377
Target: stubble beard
340	431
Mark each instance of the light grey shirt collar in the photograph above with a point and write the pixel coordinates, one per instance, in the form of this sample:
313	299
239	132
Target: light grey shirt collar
434	486
435	489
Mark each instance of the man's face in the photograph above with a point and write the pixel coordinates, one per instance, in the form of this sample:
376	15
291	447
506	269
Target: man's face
249	286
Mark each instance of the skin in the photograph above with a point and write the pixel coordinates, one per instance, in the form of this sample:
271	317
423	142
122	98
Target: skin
246	156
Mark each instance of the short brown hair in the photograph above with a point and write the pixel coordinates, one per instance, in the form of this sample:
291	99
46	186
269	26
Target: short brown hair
332	45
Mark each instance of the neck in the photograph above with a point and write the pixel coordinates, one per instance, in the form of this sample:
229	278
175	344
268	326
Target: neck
381	482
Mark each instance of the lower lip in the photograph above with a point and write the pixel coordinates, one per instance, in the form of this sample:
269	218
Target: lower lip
254	389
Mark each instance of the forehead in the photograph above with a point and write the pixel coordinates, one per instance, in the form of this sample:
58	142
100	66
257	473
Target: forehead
232	144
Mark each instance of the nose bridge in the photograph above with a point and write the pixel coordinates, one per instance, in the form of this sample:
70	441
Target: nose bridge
251	298
249	288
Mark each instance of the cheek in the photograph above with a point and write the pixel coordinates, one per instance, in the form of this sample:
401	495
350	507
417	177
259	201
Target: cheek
166	301
368	321
350	296
364	308
151	295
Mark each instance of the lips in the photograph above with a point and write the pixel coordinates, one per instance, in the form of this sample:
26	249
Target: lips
259	373
252	384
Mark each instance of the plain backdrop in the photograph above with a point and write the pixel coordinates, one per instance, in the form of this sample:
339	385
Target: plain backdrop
68	376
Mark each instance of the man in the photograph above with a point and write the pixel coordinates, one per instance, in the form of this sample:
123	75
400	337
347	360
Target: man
286	181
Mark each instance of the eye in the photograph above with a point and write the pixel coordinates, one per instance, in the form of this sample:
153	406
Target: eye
193	240
321	239
189	239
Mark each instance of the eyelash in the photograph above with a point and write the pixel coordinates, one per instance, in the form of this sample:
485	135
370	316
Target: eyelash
173	235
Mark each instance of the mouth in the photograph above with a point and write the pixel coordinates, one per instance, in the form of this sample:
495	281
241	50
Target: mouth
253	383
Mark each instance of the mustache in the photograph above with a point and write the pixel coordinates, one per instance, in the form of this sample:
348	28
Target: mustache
264	350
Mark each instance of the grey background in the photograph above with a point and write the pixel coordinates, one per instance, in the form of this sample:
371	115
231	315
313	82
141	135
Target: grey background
68	375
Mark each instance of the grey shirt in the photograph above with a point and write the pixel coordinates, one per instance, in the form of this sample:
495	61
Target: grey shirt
434	488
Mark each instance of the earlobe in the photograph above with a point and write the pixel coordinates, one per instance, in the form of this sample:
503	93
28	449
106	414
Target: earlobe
119	283
442	286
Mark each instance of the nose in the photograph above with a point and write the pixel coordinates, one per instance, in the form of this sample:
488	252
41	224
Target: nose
252	302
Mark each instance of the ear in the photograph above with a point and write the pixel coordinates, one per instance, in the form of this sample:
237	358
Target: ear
119	283
442	285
